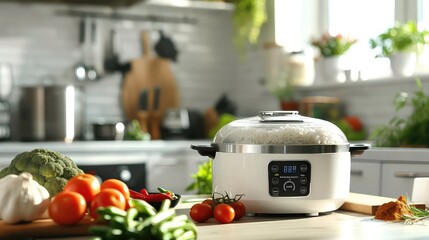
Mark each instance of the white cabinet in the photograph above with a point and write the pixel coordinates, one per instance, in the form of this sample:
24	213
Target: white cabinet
365	177
397	179
388	172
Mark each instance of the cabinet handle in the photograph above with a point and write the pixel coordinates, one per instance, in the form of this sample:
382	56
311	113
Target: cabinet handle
356	172
411	174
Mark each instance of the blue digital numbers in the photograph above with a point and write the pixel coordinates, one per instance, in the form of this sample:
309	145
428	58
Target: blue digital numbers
289	169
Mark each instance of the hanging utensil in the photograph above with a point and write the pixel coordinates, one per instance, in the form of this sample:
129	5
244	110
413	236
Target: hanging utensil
155	116
165	47
80	68
111	61
143	113
91	72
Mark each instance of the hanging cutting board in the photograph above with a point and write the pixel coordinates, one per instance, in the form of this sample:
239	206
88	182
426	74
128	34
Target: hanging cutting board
368	204
147	74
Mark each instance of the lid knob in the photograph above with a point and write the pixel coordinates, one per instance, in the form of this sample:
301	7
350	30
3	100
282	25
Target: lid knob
280	116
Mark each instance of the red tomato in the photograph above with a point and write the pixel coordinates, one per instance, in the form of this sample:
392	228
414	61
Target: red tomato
107	197
201	212
67	208
239	209
223	213
208	202
118	185
86	184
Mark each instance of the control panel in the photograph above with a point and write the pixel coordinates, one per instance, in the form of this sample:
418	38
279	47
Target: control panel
289	178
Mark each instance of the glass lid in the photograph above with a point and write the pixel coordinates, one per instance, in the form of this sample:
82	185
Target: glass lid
280	128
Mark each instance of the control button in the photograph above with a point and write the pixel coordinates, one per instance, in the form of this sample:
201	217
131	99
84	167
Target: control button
274	168
289	186
275	191
275	181
303	168
303	180
303	190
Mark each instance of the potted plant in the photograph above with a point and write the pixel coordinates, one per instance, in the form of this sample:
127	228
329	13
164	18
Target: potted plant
401	44
283	88
406	132
332	47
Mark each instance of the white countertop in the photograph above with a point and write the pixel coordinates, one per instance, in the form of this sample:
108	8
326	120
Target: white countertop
338	225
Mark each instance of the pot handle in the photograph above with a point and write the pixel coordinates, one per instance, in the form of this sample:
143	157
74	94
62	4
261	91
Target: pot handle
204	150
358	149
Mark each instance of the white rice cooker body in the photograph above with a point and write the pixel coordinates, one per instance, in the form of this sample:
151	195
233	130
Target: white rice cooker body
284	183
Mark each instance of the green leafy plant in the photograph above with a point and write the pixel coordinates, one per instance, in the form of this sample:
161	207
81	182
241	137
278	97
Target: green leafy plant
248	18
202	179
400	38
405	132
283	88
330	45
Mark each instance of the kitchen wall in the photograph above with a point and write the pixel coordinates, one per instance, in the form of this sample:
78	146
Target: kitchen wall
43	47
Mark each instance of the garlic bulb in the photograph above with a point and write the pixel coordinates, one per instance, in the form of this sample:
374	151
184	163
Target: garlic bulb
22	198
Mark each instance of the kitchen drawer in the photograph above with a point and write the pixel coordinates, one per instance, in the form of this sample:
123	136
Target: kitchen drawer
365	177
397	179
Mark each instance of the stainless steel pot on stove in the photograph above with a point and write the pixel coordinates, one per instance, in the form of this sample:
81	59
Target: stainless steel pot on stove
51	113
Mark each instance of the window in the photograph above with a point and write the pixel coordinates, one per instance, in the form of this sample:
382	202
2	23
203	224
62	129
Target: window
296	22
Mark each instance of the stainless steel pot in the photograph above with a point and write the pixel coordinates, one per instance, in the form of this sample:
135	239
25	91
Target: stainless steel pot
282	163
52	113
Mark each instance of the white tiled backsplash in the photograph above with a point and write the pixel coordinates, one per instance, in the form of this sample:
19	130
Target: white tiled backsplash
43	47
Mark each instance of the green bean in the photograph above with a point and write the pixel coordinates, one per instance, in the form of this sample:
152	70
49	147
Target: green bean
117	222
130	224
188	235
115	234
178	232
162	216
165	205
108	213
142	221
143	207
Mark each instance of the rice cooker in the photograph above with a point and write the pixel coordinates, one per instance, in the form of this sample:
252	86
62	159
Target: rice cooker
282	163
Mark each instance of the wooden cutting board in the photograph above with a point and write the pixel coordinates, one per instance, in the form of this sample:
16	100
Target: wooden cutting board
147	73
44	228
368	204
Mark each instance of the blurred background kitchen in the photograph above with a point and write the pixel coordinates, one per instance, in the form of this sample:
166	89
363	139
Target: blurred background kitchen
177	70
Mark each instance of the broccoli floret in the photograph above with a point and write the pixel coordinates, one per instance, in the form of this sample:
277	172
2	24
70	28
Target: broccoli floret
50	169
55	185
71	172
4	172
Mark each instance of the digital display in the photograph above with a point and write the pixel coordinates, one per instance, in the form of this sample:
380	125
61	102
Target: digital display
289	169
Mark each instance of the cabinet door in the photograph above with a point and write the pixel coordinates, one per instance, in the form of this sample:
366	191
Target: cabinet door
169	172
365	178
398	179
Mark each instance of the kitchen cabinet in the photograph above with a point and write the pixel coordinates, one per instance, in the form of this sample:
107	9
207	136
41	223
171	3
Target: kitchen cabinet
397	179
388	172
365	177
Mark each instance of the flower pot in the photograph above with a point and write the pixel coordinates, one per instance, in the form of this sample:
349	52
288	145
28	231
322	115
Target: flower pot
289	105
403	64
330	67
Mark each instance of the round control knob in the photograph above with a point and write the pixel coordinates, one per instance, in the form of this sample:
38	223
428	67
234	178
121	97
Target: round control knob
289	186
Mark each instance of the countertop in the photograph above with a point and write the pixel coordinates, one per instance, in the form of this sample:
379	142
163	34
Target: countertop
95	152
335	225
